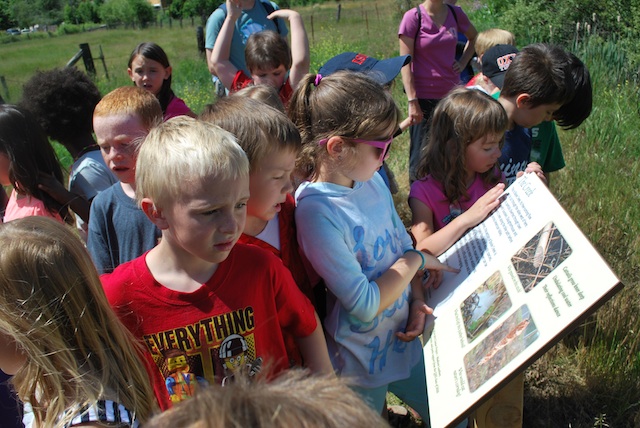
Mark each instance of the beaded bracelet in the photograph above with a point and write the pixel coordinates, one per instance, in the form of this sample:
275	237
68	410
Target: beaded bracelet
424	261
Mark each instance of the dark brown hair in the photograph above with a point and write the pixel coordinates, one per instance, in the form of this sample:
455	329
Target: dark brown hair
267	49
541	71
154	52
24	142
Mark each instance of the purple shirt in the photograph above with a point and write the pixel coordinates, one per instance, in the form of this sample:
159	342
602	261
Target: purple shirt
434	51
431	193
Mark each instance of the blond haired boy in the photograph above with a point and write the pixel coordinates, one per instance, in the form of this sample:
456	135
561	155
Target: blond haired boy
118	230
206	308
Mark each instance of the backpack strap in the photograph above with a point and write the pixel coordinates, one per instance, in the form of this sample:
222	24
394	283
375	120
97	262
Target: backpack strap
453	11
419	22
268	7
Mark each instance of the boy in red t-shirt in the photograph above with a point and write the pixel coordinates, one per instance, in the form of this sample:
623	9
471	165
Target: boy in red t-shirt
204	307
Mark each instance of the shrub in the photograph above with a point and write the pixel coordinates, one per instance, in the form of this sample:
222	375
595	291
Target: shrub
128	12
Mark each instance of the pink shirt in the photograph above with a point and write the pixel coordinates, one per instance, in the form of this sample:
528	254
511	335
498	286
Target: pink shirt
434	51
26	206
431	193
177	107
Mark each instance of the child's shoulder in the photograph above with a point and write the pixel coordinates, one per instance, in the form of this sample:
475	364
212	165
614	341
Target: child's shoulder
259	257
113	197
425	185
120	281
177	107
127	270
106	197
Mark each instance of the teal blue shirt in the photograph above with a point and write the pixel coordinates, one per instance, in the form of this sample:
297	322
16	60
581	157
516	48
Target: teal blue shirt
251	21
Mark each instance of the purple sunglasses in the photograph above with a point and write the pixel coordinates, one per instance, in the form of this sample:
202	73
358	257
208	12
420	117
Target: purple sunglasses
384	146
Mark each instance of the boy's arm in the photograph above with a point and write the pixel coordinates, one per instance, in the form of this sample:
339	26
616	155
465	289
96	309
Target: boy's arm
535	168
314	350
300	59
221	52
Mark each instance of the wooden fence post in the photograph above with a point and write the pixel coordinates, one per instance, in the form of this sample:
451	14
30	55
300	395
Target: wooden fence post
104	64
366	20
3	82
313	38
200	39
87	59
338	13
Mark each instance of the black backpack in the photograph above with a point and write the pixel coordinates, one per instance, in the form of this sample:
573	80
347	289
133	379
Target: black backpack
268	7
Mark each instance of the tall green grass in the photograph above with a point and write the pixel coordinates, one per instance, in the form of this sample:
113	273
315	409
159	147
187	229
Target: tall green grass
592	378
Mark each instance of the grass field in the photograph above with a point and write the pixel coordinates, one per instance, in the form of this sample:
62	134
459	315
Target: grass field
592	378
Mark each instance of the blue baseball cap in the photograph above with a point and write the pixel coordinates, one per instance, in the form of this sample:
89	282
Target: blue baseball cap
381	70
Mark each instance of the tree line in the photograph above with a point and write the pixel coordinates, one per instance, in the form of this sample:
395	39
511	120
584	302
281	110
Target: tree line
27	13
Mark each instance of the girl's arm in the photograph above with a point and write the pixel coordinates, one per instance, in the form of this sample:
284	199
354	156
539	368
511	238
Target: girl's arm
394	281
225	70
407	48
418	311
300	59
321	235
55	189
437	242
405	124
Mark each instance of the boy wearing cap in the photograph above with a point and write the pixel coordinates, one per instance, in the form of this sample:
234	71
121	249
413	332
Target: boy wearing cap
545	144
495	62
538	82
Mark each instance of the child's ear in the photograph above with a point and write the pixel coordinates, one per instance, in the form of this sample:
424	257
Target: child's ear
523	100
167	72
335	147
130	73
154	213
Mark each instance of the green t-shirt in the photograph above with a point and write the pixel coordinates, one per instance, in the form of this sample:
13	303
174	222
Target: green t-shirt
546	148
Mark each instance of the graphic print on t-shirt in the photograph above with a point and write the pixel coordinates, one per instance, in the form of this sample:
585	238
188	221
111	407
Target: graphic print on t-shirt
211	350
